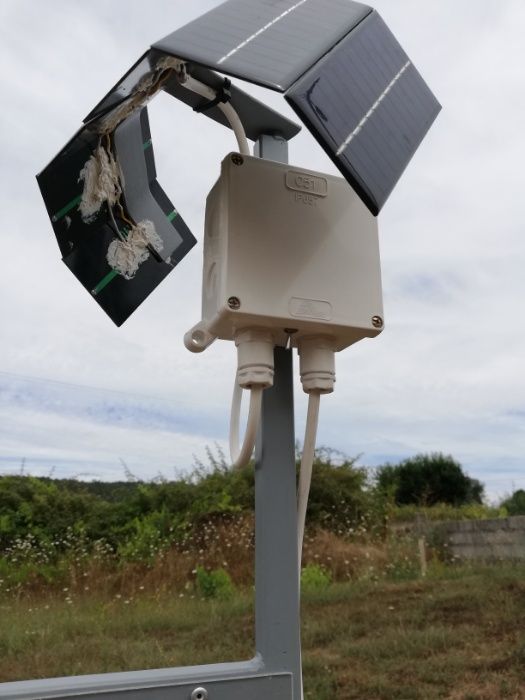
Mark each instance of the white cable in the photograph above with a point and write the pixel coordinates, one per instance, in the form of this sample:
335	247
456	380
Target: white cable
241	456
236	124
305	474
225	107
305	479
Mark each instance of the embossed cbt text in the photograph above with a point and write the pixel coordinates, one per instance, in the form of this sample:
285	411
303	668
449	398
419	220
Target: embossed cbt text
309	184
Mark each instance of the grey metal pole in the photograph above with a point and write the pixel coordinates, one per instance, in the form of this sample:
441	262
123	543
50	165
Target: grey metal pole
277	618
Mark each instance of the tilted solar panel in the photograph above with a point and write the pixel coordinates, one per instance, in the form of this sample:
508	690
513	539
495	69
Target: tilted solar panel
268	42
341	69
368	107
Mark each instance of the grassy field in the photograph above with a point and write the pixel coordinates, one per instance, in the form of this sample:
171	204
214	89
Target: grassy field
459	634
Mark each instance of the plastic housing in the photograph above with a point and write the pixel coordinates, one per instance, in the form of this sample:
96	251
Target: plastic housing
290	250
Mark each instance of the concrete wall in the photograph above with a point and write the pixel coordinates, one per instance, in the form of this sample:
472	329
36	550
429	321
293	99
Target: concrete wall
503	538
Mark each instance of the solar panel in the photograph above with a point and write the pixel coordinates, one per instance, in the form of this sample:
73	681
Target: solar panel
117	131
341	69
125	87
85	242
368	107
268	42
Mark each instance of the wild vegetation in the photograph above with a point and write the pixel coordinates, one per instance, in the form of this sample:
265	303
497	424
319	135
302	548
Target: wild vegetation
101	576
57	534
428	480
515	503
456	635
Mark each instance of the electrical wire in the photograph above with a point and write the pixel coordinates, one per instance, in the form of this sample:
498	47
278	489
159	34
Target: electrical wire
305	480
115	227
109	150
240	456
225	107
305	474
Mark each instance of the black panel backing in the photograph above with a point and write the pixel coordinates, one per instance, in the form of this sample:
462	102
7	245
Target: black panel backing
84	245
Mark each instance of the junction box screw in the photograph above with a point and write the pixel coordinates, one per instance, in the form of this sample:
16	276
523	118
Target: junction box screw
199	694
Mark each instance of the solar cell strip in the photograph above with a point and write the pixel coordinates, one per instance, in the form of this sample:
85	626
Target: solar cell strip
104	282
260	31
67	208
368	107
372	109
268	42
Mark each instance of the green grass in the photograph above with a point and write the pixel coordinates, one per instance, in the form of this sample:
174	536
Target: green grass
90	635
458	635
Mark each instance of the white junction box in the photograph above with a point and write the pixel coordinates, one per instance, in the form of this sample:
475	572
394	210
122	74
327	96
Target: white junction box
290	250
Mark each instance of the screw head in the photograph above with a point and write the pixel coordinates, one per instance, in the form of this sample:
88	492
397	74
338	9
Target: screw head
199	694
377	321
237	159
234	303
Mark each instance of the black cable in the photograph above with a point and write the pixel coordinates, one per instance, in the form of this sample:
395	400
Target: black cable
223	95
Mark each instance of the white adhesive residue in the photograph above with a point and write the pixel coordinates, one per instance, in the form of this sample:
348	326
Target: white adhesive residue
127	256
147	88
170	62
372	109
261	30
101	177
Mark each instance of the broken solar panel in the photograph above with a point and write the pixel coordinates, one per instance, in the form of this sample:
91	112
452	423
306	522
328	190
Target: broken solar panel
341	70
85	242
256	117
124	248
93	245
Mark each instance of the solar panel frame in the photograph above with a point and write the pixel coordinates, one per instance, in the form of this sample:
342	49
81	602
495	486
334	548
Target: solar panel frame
125	86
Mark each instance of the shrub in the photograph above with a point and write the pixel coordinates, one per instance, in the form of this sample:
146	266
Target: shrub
515	504
145	540
315	578
338	495
427	479
214	584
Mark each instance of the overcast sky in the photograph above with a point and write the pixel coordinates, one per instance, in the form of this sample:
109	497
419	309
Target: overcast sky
80	395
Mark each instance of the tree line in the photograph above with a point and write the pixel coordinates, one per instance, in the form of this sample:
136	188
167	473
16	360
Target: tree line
130	515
